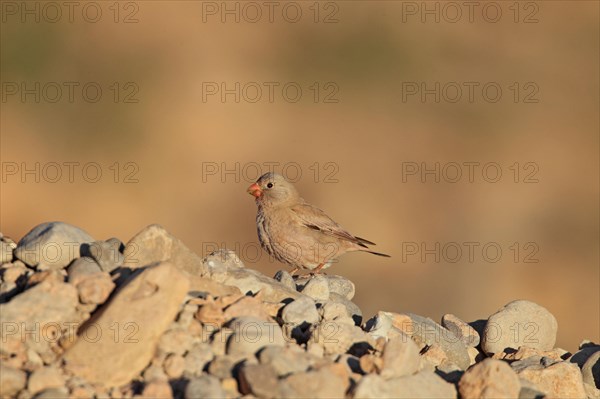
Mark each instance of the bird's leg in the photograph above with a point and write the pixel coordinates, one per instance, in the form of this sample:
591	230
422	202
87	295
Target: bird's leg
318	269
294	271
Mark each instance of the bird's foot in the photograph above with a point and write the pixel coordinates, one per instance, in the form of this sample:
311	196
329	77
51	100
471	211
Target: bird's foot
317	270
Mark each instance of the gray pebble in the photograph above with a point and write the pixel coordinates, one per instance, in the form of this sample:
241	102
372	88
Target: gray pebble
51	245
335	311
12	380
337	284
286	279
205	386
259	380
352	308
317	288
342	286
519	323
461	329
196	359
222	366
302	310
286	359
108	254
420	385
427	331
251	334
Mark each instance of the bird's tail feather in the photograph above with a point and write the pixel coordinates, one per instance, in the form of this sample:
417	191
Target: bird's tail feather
378	254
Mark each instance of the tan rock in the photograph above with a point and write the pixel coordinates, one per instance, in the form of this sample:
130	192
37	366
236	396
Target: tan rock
81	268
186	314
81	392
591	391
37	317
176	340
380	326
489	379
93	284
259	380
272	308
524	352
429	333
313	384
205	386
45	378
155	372
215	289
154	244
12	274
54	276
339	370
12	380
116	393
248	280
195	329
227	300
337	338
286	359
157	390
435	355
230	387
174	366
519	323
461	329
420	385
142	310
95	289
380	344
400	357
314	349
218	340
317	288
559	380
247	306
211	313
6	250
222	366
251	334
474	355
371	363
402	322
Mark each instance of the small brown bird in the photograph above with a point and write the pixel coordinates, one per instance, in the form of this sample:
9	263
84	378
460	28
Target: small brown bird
297	233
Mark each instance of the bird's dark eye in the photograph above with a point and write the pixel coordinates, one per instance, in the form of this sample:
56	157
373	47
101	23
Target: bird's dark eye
270	185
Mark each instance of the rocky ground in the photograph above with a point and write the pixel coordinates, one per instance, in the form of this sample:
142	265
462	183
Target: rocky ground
82	318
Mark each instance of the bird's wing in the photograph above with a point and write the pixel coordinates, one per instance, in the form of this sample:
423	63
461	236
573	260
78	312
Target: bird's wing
314	218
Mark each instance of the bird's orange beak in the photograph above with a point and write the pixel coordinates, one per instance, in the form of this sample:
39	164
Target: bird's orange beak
254	190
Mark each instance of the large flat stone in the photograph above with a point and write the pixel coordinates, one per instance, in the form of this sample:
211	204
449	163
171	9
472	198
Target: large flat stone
116	346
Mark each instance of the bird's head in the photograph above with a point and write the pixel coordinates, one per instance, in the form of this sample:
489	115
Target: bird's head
272	189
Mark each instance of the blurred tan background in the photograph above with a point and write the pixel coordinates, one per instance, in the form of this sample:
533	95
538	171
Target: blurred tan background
167	56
